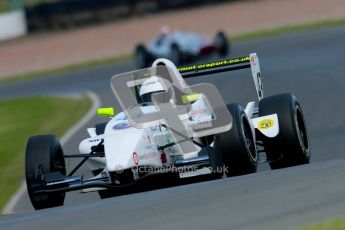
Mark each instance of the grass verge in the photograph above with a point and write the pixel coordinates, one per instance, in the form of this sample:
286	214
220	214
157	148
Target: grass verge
234	39
5	5
21	118
65	69
337	224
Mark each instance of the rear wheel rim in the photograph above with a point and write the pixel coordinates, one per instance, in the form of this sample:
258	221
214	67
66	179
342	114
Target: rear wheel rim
302	131
249	140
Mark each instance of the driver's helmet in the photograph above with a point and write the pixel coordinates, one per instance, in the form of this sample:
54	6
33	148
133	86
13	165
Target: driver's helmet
164	31
149	86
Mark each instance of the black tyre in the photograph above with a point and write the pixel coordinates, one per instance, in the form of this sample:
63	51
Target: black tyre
237	146
100	128
176	55
43	155
291	146
222	43
216	164
142	57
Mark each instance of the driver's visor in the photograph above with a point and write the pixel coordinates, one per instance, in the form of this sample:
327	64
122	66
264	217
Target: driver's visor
146	98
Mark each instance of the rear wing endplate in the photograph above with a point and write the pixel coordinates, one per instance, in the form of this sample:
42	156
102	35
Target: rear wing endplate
251	61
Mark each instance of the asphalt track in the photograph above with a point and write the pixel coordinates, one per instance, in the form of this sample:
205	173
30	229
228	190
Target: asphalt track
309	64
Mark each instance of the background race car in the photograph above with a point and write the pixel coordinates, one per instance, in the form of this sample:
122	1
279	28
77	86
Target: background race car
180	47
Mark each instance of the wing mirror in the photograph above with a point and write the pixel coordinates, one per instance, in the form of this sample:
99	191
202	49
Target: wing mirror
106	112
190	98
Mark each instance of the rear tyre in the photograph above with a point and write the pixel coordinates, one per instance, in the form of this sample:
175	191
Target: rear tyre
43	155
237	146
291	146
142	57
222	44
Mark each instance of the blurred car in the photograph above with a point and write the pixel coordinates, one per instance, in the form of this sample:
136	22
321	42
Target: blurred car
180	47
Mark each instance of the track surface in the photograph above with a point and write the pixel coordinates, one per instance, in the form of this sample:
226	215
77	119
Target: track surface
308	64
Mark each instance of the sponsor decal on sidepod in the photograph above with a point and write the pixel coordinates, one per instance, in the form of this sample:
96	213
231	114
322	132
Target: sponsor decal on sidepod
266	124
123	125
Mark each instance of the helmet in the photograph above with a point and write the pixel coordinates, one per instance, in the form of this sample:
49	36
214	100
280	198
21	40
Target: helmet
164	30
150	86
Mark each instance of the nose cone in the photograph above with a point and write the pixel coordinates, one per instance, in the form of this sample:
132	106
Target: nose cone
120	141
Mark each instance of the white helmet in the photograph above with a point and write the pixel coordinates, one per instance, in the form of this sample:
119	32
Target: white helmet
164	30
150	86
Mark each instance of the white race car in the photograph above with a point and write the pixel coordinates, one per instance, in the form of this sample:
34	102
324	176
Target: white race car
180	47
123	152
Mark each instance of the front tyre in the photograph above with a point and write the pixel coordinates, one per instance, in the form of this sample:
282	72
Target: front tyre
43	155
291	146
176	55
142	57
237	145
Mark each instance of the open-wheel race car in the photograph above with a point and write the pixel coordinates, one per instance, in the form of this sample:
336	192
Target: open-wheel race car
180	47
168	127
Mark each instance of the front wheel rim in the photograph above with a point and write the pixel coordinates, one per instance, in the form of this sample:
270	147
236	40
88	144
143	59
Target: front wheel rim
302	131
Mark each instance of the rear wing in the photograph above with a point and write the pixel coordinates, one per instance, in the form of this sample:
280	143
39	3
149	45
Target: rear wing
251	61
